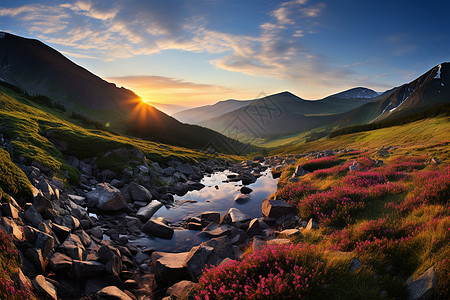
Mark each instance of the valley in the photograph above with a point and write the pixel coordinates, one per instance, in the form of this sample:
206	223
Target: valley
104	196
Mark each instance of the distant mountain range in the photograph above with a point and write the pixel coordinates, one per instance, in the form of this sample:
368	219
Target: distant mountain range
39	69
286	114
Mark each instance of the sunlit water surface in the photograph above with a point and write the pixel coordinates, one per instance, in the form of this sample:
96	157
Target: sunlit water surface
208	199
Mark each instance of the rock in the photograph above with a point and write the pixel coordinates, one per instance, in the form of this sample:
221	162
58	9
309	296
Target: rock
237	216
169	171
157	167
42	285
35	256
248	178
194	226
290	232
169	267
241	199
113	293
116	183
46	189
73	247
276	208
146	212
180	177
158	229
254	228
246	190
70	222
279	242
258	244
45	242
77	199
96	232
210	253
86	269
181	188
84	237
9	210
436	161
110	257
59	262
33	216
355	166
423	287
355	265
193	185
61	231
106	197
180	289
312	225
139	193
210	216
186	169
299	172
214	230
11	228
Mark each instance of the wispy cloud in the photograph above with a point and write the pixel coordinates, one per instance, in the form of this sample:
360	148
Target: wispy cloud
118	29
163	83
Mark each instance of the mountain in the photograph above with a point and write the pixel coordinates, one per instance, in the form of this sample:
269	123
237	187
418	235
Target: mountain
359	92
38	69
285	113
427	91
169	109
199	114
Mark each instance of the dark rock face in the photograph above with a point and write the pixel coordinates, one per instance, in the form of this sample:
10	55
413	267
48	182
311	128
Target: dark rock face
423	287
139	193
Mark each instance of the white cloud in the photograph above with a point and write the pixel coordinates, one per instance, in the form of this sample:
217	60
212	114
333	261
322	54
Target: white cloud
125	28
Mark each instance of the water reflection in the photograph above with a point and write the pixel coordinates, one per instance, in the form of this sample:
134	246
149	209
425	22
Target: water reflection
208	199
220	200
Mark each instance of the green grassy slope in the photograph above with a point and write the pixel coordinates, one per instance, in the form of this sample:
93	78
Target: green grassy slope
44	135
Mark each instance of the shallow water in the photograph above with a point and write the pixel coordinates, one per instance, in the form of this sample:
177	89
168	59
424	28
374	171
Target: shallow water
208	199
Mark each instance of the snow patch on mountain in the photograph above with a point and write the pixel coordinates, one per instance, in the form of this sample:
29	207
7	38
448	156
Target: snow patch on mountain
438	75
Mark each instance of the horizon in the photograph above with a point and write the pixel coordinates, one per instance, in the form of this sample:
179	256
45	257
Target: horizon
188	54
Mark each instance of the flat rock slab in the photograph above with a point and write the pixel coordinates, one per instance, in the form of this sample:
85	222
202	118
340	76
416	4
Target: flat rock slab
210	216
169	267
158	229
276	208
41	284
238	216
214	230
113	293
146	212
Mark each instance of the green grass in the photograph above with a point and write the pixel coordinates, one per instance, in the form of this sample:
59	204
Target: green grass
13	181
425	136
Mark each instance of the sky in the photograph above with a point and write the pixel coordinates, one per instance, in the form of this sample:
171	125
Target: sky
196	52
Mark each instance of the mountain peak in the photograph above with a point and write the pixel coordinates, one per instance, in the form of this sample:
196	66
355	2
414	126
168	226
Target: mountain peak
358	92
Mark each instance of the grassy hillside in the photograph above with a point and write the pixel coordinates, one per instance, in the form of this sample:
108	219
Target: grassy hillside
378	226
428	135
44	135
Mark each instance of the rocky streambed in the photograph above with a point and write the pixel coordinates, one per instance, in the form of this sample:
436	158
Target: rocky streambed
134	235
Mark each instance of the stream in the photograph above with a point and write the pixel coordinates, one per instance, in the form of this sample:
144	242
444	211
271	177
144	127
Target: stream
209	198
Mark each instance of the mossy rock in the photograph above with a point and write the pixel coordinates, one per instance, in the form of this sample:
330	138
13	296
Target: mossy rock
12	179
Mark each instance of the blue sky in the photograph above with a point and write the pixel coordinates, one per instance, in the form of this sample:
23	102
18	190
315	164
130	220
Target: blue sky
203	51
